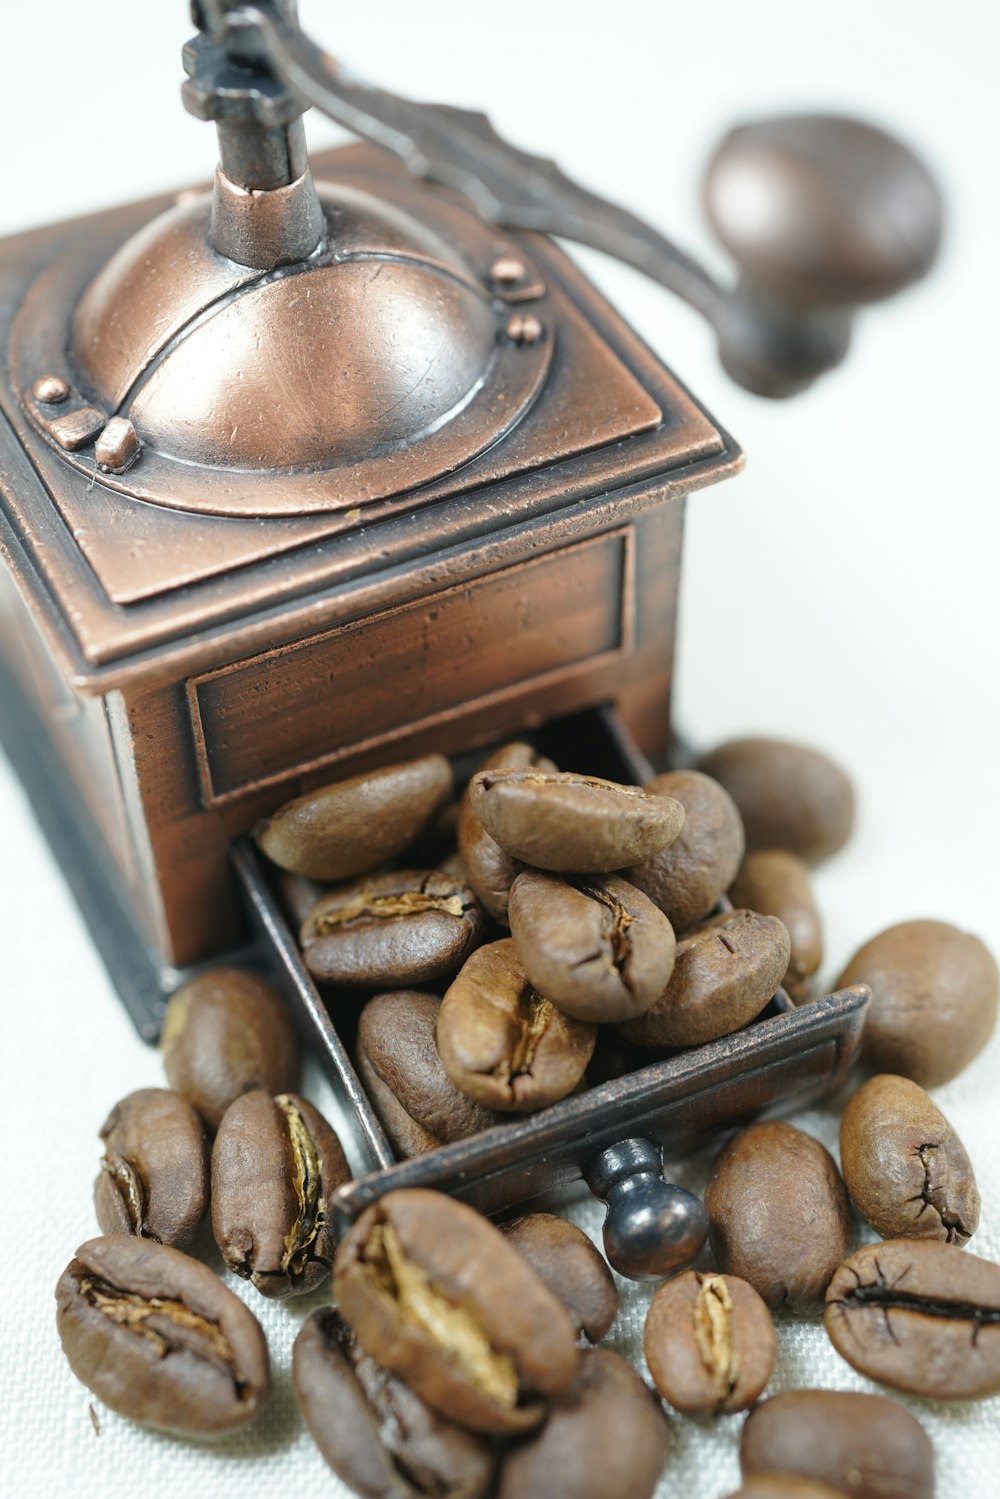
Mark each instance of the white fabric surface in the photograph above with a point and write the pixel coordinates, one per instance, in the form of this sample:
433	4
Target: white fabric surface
843	592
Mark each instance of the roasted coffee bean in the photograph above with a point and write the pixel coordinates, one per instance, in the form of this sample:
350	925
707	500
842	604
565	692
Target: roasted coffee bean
864	1445
436	1295
781	1486
934	999
789	796
226	1033
489	869
576	1272
298	895
154	1175
375	1433
405	927
780	1215
598	948
396	1037
607	1437
344	830
407	1138
919	1316
776	883
725	973
686	878
275	1165
160	1339
709	1343
904	1166
502	1043
572	823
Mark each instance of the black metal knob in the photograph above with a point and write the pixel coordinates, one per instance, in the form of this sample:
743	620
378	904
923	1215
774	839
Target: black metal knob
652	1228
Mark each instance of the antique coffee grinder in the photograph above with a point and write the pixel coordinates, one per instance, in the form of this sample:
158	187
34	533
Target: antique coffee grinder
333	464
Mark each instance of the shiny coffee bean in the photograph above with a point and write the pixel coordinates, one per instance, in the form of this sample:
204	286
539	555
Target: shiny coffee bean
502	1043
339	832
725	973
154	1174
598	948
565	1259
275	1165
863	1445
160	1339
709	1343
920	1316
374	1432
935	991
686	878
407	1138
436	1295
572	823
904	1166
781	1486
780	1215
489	869
396	1036
776	883
789	796
405	927
225	1033
607	1437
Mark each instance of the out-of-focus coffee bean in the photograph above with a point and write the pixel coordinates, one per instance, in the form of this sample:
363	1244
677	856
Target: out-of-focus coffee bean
347	829
160	1339
709	1343
606	1437
298	895
788	795
906	1170
436	1295
572	823
503	1044
781	1486
225	1033
489	869
864	1445
576	1272
776	883
408	926
920	1316
275	1165
780	1215
725	973
935	992
375	1433
686	878
154	1175
598	948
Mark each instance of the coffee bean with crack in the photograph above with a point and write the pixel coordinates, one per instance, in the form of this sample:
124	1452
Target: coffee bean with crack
502	1043
686	878
572	823
489	869
376	1433
275	1165
906	1169
606	1437
396	1044
154	1174
391	930
725	973
779	1214
566	1260
709	1343
340	831
776	883
862	1445
598	948
436	1295
160	1339
920	1316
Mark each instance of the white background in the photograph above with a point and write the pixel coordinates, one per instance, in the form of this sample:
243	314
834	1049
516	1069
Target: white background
843	591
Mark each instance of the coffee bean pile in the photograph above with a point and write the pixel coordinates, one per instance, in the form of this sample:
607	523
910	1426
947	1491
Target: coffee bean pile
573	933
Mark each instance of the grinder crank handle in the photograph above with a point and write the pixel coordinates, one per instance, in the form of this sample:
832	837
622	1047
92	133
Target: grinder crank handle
652	1228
